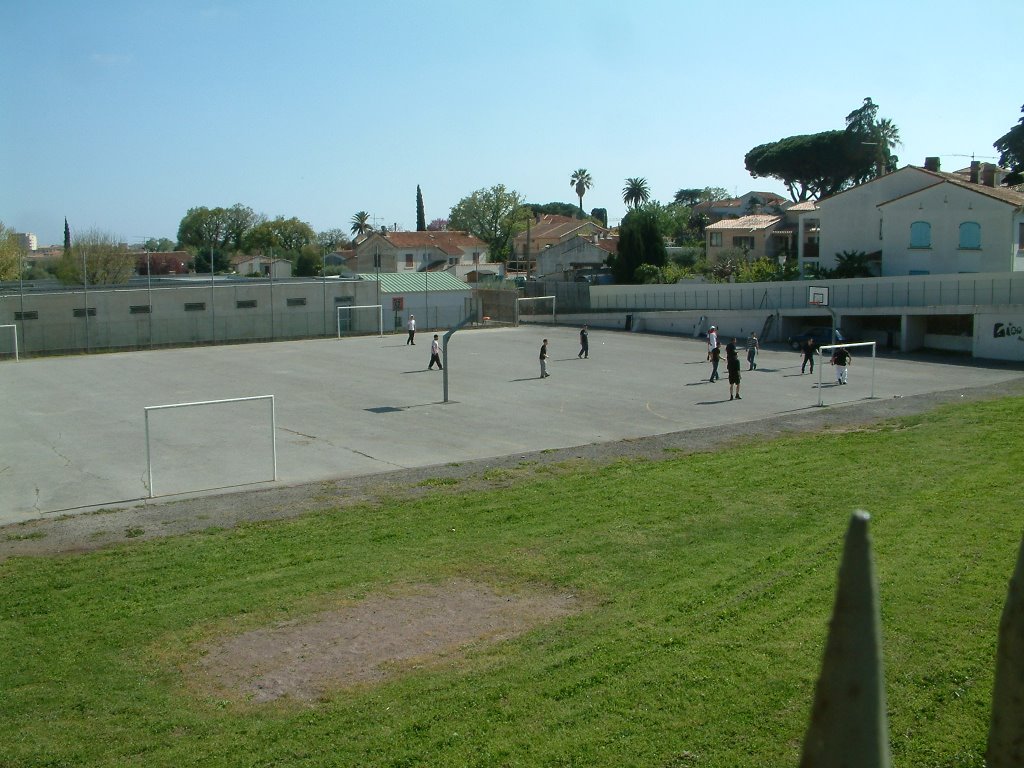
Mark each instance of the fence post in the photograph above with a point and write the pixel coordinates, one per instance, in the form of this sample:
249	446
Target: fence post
849	725
1006	730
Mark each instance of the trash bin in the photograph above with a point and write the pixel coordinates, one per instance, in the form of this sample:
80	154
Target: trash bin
629	322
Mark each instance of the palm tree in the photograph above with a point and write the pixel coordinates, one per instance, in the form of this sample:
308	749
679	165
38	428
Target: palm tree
888	137
582	181
360	223
636	192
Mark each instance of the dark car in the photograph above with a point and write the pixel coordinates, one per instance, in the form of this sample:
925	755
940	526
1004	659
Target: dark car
822	335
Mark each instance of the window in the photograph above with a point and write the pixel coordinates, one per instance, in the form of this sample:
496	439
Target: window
1020	238
476	257
970	235
742	241
299	302
716	239
245	304
31	315
195	306
82	312
920	235
139	309
408	261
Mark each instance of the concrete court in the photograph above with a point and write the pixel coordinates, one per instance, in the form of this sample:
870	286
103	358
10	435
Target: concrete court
72	435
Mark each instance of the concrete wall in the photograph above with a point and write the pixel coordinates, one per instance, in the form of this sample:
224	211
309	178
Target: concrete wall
1000	335
229	311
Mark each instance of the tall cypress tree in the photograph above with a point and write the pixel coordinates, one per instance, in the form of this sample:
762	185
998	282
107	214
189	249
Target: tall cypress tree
421	219
67	235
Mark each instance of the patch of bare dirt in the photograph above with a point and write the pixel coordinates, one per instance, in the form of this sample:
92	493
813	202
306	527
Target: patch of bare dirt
370	641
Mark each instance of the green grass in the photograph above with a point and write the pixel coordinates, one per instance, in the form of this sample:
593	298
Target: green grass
709	581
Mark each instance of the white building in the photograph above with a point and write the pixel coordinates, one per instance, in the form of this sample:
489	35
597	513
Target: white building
27	241
458	253
922	221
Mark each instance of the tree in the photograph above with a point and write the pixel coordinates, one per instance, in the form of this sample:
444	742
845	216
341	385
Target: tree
557	209
812	166
437	225
494	215
10	254
67	235
636	192
159	263
333	240
287	235
640	243
161	245
421	218
582	181
600	215
360	223
1011	151
822	164
101	256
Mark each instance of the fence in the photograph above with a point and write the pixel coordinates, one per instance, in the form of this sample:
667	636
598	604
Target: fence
888	292
849	724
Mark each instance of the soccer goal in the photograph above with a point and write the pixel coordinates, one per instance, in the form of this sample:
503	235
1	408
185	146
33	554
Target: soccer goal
536	306
357	318
209	444
853	344
14	333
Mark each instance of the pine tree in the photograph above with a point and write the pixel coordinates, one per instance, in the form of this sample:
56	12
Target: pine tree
67	235
421	219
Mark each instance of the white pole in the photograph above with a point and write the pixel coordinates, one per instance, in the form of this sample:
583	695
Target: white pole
273	433
149	457
820	366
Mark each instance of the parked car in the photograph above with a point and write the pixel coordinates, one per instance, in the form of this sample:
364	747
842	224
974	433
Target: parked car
821	334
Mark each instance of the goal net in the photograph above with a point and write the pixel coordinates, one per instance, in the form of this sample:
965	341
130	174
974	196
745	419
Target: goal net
210	444
361	319
535	308
857	350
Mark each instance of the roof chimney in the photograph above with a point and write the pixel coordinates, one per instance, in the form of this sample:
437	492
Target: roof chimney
931	164
988	174
975	171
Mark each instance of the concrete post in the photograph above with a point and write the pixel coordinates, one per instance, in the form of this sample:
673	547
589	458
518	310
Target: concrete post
849	727
1006	731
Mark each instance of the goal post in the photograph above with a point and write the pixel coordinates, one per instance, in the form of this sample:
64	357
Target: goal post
380	316
847	345
212	457
520	302
14	333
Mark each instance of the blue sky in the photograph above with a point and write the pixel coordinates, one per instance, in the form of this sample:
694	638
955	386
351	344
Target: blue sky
123	115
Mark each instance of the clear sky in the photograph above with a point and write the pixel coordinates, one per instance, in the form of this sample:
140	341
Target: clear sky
122	114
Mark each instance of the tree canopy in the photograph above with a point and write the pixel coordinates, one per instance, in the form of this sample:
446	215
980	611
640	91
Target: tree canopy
640	243
281	234
494	215
636	192
582	181
101	256
421	217
10	254
1011	151
219	228
822	164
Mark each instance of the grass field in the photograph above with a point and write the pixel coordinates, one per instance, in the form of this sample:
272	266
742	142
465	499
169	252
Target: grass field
708	582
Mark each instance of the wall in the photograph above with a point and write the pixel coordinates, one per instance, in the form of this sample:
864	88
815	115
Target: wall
1000	335
945	207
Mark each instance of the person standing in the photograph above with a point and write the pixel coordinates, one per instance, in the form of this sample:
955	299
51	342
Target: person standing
712	340
841	360
412	331
732	366
584	343
435	355
716	355
544	360
752	350
810	348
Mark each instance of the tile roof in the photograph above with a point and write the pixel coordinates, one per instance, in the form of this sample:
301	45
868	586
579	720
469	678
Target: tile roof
552	225
451	242
416	282
806	205
754	221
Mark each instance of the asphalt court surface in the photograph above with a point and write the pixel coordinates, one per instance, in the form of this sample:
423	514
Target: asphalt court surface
73	431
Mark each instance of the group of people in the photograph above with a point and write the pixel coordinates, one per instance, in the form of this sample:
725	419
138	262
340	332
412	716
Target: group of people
435	345
841	359
584	353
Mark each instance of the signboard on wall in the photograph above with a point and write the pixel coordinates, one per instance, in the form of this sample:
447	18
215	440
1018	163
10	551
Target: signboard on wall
397	303
999	337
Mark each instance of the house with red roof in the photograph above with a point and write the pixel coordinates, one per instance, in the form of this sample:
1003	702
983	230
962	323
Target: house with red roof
459	253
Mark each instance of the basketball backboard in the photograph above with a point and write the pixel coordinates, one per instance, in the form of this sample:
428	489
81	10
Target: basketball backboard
817	295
